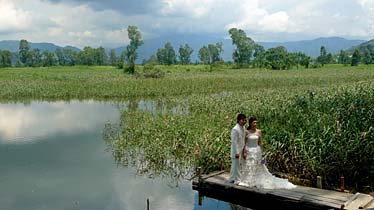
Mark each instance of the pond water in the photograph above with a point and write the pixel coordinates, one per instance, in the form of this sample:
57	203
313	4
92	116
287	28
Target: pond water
52	156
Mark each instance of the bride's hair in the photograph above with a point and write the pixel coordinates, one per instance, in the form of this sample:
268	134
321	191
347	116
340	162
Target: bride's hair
250	120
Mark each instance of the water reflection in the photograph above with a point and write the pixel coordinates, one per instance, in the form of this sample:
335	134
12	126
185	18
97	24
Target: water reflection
52	156
21	123
158	105
18	121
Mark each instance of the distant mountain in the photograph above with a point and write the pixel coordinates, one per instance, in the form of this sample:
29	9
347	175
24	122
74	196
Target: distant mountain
195	41
363	46
310	47
13	45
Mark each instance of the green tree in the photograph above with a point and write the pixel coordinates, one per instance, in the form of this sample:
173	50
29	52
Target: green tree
277	58
130	53
34	58
204	55
301	59
260	61
343	57
166	55
101	57
324	57
161	56
211	53
23	51
367	57
185	54
244	46
48	59
70	56
355	58
60	56
258	50
5	58
170	56
215	51
87	56
112	57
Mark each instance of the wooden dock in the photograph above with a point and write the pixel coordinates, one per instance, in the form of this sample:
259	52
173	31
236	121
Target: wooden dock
215	185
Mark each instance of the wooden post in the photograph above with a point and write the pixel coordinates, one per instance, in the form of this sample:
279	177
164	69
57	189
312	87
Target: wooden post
200	199
319	182
342	184
147	203
199	174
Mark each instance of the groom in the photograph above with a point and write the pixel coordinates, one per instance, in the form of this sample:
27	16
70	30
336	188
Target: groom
237	144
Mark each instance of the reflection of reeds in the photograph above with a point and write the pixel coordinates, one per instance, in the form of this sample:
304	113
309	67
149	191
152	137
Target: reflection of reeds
326	132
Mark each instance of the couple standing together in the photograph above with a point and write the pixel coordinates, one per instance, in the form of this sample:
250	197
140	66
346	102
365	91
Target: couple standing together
247	166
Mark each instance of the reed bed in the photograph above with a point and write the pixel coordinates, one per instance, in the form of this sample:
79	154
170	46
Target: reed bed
106	83
324	132
315	122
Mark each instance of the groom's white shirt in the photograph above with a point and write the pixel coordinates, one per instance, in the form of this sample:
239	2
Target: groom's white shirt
237	140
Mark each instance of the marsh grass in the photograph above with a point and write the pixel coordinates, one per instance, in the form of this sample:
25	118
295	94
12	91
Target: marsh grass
315	121
107	83
313	126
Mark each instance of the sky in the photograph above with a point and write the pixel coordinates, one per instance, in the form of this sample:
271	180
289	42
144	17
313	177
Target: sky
104	22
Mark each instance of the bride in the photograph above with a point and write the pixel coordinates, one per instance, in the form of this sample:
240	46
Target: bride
254	173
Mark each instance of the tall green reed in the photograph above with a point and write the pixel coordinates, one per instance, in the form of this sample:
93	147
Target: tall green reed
327	132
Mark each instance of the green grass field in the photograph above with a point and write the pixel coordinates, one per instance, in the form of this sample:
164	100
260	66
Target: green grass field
314	121
107	83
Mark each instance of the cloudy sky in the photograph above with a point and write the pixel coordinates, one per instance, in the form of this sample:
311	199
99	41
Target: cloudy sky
104	22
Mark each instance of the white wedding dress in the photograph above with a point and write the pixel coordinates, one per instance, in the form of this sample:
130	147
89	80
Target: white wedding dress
254	173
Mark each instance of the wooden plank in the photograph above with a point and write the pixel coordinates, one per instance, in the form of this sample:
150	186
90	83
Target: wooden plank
305	198
358	202
330	196
213	174
339	196
297	197
322	198
310	198
370	205
349	201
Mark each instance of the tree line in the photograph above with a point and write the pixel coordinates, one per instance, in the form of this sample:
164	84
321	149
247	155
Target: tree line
246	54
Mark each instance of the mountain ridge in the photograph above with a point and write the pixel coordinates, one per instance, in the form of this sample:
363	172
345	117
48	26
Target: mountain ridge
309	47
13	45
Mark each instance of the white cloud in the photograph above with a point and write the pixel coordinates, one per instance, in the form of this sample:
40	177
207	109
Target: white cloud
190	8
276	22
63	24
253	17
96	23
81	35
265	19
367	4
13	19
